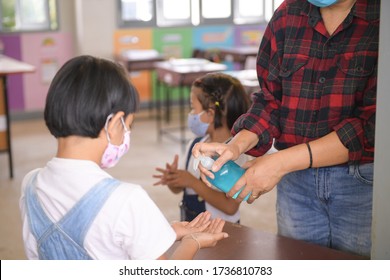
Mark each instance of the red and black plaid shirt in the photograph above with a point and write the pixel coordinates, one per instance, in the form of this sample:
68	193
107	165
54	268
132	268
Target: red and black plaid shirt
313	83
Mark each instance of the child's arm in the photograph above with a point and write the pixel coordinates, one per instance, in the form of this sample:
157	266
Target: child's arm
216	198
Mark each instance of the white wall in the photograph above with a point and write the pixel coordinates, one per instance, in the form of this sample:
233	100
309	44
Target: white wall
92	23
67	21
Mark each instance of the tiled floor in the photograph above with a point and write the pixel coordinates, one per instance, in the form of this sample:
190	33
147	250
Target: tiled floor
33	146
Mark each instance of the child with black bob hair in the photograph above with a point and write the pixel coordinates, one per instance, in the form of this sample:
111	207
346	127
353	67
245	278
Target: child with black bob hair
72	208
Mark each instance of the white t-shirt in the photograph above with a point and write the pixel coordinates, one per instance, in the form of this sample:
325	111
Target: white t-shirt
215	212
129	225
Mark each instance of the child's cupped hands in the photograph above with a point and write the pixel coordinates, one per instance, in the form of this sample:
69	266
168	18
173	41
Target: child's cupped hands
199	224
211	235
206	231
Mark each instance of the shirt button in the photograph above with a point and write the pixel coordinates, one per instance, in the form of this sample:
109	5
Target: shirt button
322	80
359	69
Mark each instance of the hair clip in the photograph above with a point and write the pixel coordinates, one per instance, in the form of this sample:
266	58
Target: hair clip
217	103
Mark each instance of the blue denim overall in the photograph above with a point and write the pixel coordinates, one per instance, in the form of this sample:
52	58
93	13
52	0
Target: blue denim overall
64	239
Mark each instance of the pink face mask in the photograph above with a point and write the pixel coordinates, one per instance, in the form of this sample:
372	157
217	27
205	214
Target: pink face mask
113	153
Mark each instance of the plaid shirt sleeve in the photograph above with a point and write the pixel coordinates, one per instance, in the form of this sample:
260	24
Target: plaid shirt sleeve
263	116
313	83
357	133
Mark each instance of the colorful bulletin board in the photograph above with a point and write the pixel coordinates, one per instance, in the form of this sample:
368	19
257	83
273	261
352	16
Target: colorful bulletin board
173	43
209	37
248	35
47	52
131	39
212	38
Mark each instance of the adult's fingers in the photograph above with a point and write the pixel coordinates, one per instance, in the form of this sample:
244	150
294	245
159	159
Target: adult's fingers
206	172
239	185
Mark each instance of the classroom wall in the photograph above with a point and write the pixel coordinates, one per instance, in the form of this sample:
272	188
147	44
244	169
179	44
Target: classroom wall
90	27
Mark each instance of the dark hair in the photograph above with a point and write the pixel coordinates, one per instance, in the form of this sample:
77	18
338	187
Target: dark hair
83	93
225	94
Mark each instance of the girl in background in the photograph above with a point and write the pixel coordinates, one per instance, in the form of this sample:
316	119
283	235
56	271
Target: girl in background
217	100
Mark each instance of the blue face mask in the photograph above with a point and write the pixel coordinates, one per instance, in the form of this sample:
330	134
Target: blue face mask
322	3
197	127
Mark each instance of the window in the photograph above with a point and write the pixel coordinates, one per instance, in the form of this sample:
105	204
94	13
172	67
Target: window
270	7
28	15
173	12
216	11
136	13
248	11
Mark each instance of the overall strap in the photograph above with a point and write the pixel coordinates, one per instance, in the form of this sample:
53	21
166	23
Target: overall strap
196	140
91	203
37	218
78	219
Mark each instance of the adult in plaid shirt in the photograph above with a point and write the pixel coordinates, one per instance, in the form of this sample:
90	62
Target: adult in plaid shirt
317	70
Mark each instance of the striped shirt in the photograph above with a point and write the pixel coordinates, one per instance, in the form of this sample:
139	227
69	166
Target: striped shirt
313	83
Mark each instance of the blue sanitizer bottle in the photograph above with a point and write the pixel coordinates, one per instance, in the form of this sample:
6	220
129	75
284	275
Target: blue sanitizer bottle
226	177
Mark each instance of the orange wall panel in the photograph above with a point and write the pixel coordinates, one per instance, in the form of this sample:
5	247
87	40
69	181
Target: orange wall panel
128	39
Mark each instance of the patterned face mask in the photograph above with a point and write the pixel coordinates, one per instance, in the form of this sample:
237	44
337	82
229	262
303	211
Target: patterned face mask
113	153
197	127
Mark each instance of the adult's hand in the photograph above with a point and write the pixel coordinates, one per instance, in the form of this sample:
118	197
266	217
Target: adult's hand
240	143
261	176
263	173
223	152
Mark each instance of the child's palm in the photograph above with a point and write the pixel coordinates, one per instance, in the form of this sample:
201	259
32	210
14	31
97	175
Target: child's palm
212	234
199	224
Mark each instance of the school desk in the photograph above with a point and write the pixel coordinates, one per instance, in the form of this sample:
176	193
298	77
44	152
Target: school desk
238	54
245	243
248	79
140	60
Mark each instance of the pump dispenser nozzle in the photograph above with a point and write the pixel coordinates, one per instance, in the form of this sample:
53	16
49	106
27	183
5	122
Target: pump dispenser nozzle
206	161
